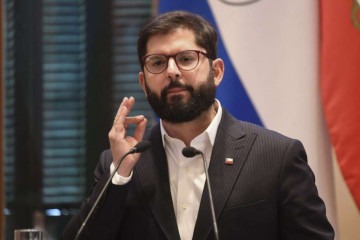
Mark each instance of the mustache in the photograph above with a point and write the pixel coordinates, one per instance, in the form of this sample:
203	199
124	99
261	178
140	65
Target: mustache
176	84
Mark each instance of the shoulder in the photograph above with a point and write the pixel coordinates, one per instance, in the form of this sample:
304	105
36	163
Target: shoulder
266	142
233	126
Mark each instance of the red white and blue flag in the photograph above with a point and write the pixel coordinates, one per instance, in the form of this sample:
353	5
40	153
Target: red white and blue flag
284	69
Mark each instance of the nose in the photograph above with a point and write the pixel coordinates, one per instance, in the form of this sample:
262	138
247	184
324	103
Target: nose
172	70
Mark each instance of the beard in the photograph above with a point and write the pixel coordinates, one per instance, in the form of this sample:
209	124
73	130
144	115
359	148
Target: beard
179	110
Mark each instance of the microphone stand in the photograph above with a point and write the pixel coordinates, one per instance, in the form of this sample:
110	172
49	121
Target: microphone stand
192	152
216	231
140	147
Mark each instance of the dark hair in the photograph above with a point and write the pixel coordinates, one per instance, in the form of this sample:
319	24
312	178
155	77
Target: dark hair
205	34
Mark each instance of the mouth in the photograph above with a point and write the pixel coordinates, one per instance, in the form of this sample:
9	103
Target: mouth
176	90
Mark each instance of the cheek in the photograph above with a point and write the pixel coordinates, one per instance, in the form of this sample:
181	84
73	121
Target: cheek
153	84
199	77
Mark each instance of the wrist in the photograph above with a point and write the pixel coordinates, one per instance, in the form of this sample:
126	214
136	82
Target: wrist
125	168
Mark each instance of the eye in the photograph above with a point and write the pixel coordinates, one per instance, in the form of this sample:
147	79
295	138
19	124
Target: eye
186	58
156	61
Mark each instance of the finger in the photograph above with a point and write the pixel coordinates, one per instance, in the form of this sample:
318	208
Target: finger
134	119
119	126
122	114
130	103
124	109
140	129
123	103
120	110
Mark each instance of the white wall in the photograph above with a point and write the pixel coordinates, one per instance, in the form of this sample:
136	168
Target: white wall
348	216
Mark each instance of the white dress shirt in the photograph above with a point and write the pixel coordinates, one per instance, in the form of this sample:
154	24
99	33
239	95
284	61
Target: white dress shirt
187	176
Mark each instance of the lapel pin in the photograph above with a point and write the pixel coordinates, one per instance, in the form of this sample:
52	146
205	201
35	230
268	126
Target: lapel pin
229	161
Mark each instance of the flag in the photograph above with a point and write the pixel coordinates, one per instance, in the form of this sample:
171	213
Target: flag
271	55
340	85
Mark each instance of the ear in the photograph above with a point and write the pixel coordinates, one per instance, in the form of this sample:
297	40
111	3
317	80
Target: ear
218	70
141	77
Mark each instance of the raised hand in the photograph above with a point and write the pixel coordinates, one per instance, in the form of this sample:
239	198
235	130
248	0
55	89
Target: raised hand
120	143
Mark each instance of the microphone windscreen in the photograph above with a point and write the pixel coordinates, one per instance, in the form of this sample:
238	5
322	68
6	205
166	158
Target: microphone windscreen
142	146
189	152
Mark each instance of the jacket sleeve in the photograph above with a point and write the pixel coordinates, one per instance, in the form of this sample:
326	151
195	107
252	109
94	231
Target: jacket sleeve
102	224
302	212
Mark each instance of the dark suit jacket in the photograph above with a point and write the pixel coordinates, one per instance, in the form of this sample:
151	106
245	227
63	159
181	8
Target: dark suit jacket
268	193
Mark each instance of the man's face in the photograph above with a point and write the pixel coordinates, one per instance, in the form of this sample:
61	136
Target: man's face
178	108
177	95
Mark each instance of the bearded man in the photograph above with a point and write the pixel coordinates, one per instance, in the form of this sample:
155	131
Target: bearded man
262	186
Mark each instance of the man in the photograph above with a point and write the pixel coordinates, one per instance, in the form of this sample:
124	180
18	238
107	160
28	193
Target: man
261	183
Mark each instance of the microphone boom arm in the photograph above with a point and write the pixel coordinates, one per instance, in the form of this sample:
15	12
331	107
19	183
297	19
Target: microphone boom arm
140	147
216	231
190	152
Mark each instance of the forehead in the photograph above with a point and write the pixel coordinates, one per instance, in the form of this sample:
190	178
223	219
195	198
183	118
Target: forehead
177	40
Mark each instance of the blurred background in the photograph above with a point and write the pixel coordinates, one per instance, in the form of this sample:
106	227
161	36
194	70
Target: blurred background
66	65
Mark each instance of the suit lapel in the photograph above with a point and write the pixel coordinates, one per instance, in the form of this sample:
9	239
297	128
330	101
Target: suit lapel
230	142
152	173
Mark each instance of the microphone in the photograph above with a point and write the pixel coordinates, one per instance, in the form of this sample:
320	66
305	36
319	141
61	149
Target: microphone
138	148
190	152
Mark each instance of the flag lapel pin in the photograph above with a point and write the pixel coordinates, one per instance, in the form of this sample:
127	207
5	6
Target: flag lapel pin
229	161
